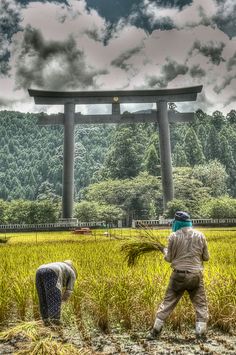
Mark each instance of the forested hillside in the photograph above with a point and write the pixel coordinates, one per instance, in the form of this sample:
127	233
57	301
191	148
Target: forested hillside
31	156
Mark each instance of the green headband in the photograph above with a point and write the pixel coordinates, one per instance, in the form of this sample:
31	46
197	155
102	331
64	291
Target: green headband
176	225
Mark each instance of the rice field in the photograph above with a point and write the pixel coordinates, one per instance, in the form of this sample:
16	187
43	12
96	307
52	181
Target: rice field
108	293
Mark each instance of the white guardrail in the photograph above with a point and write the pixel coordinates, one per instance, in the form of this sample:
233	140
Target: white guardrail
50	226
163	222
135	224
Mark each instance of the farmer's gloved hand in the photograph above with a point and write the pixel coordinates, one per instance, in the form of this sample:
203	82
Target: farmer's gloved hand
66	295
165	251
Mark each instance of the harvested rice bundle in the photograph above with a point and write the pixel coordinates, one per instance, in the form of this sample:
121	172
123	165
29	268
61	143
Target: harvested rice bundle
148	243
33	338
133	250
48	346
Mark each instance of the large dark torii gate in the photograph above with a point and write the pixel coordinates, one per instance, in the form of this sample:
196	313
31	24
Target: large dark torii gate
162	116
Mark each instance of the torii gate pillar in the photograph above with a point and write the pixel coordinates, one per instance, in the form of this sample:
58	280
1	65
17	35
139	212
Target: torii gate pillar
165	153
68	161
161	116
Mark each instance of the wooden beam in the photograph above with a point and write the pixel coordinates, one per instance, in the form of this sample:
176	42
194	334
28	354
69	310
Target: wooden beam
109	97
116	118
173	117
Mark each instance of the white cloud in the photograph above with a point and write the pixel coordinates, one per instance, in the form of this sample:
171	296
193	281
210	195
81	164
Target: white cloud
227	7
57	22
131	58
200	11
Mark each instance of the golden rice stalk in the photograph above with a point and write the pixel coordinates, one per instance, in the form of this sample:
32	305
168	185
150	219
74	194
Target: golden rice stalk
48	346
38	340
148	243
133	250
148	233
25	329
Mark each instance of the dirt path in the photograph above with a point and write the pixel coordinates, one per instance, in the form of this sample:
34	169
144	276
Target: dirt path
216	343
136	344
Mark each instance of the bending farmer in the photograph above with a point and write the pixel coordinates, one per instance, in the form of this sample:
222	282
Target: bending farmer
186	251
54	283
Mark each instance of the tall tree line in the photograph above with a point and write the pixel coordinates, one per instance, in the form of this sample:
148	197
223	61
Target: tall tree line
31	156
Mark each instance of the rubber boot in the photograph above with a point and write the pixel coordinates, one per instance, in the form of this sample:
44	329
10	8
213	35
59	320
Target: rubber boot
46	322
156	330
201	328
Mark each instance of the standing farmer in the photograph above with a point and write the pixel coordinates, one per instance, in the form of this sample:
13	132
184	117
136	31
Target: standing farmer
186	251
54	283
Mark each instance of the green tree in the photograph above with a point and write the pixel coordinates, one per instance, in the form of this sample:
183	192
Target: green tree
224	207
193	148
218	120
201	116
86	211
44	211
190	190
202	134
124	157
3	192
134	196
231	117
152	161
226	156
212	175
3	206
212	148
173	206
110	213
179	156
46	192
17	211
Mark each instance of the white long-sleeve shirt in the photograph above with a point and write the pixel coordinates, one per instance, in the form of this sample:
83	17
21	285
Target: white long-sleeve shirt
187	249
65	273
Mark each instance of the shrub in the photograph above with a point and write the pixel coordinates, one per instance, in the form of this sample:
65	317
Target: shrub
224	207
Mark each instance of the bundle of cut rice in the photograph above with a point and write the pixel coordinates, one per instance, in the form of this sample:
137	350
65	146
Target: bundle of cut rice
146	244
133	250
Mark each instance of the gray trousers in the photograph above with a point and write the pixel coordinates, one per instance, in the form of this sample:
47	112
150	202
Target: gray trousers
178	284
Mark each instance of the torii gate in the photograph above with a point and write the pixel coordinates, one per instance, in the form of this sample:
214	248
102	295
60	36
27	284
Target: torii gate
115	98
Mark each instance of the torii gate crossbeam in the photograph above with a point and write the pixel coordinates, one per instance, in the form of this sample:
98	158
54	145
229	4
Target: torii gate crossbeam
115	98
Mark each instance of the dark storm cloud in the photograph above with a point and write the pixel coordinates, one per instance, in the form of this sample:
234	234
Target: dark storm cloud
4	65
9	25
203	102
211	50
3	102
9	18
93	34
232	62
113	11
226	82
231	99
197	72
163	23
226	17
51	64
121	61
169	72
26	2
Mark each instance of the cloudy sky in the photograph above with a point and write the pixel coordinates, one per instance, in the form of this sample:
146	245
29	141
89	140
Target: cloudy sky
118	44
